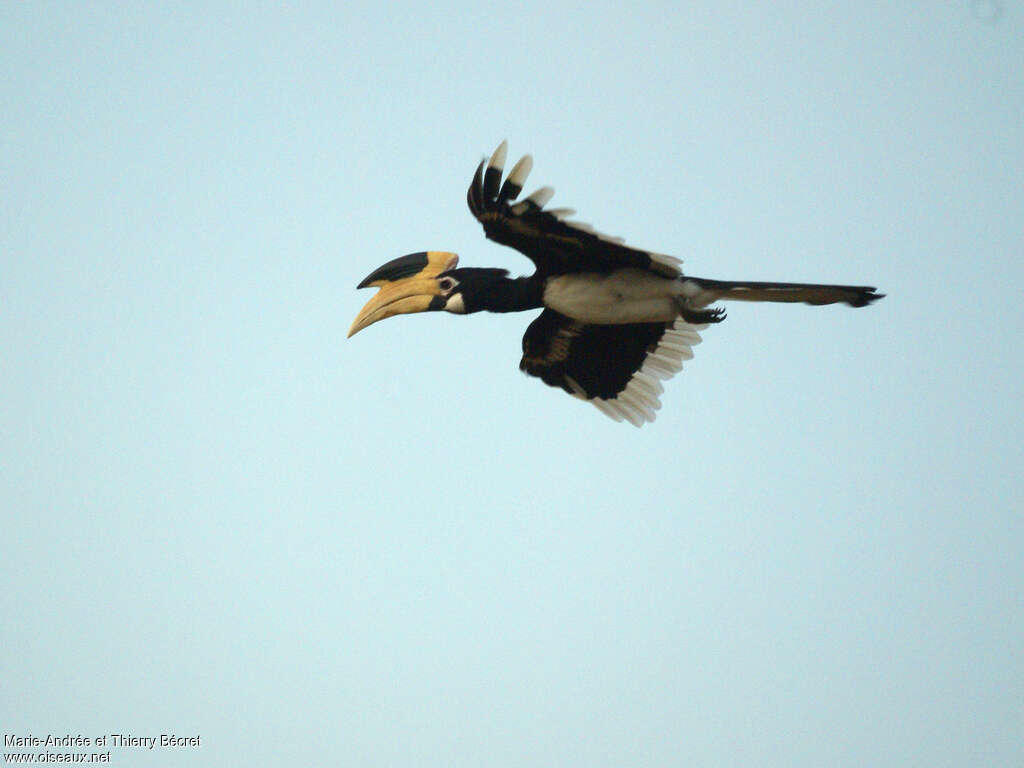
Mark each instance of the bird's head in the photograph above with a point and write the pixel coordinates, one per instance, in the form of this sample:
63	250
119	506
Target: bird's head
419	282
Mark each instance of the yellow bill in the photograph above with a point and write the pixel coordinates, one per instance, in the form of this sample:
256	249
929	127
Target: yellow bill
407	284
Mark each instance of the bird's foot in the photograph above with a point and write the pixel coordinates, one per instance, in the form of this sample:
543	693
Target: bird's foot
700	316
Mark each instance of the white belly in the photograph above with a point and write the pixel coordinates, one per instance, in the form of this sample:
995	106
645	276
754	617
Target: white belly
626	296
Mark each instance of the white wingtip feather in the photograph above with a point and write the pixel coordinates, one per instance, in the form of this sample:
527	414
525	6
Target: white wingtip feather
520	171
541	197
631	412
642	386
649	381
497	160
606	409
637	403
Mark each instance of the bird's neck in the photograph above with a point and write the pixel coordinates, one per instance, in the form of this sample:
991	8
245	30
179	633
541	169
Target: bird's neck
506	294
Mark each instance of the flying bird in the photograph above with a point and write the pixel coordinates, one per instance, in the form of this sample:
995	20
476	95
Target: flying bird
616	320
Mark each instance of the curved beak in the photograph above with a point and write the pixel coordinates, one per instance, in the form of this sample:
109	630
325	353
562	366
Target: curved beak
407	284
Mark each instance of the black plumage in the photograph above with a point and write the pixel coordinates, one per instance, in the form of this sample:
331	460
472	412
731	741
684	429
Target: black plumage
592	360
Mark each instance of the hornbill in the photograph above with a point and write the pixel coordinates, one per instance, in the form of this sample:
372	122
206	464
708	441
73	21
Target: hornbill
616	319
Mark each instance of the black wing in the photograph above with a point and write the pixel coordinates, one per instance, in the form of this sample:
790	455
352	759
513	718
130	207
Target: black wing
555	245
616	367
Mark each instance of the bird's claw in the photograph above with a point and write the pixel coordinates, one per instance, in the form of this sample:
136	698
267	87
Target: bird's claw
701	316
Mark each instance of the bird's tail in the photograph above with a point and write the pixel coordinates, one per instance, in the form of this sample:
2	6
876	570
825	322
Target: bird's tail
706	291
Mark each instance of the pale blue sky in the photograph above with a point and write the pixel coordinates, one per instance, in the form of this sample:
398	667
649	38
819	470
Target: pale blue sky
221	517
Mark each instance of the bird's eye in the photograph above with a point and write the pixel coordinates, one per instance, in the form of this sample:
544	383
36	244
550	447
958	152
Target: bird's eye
446	283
